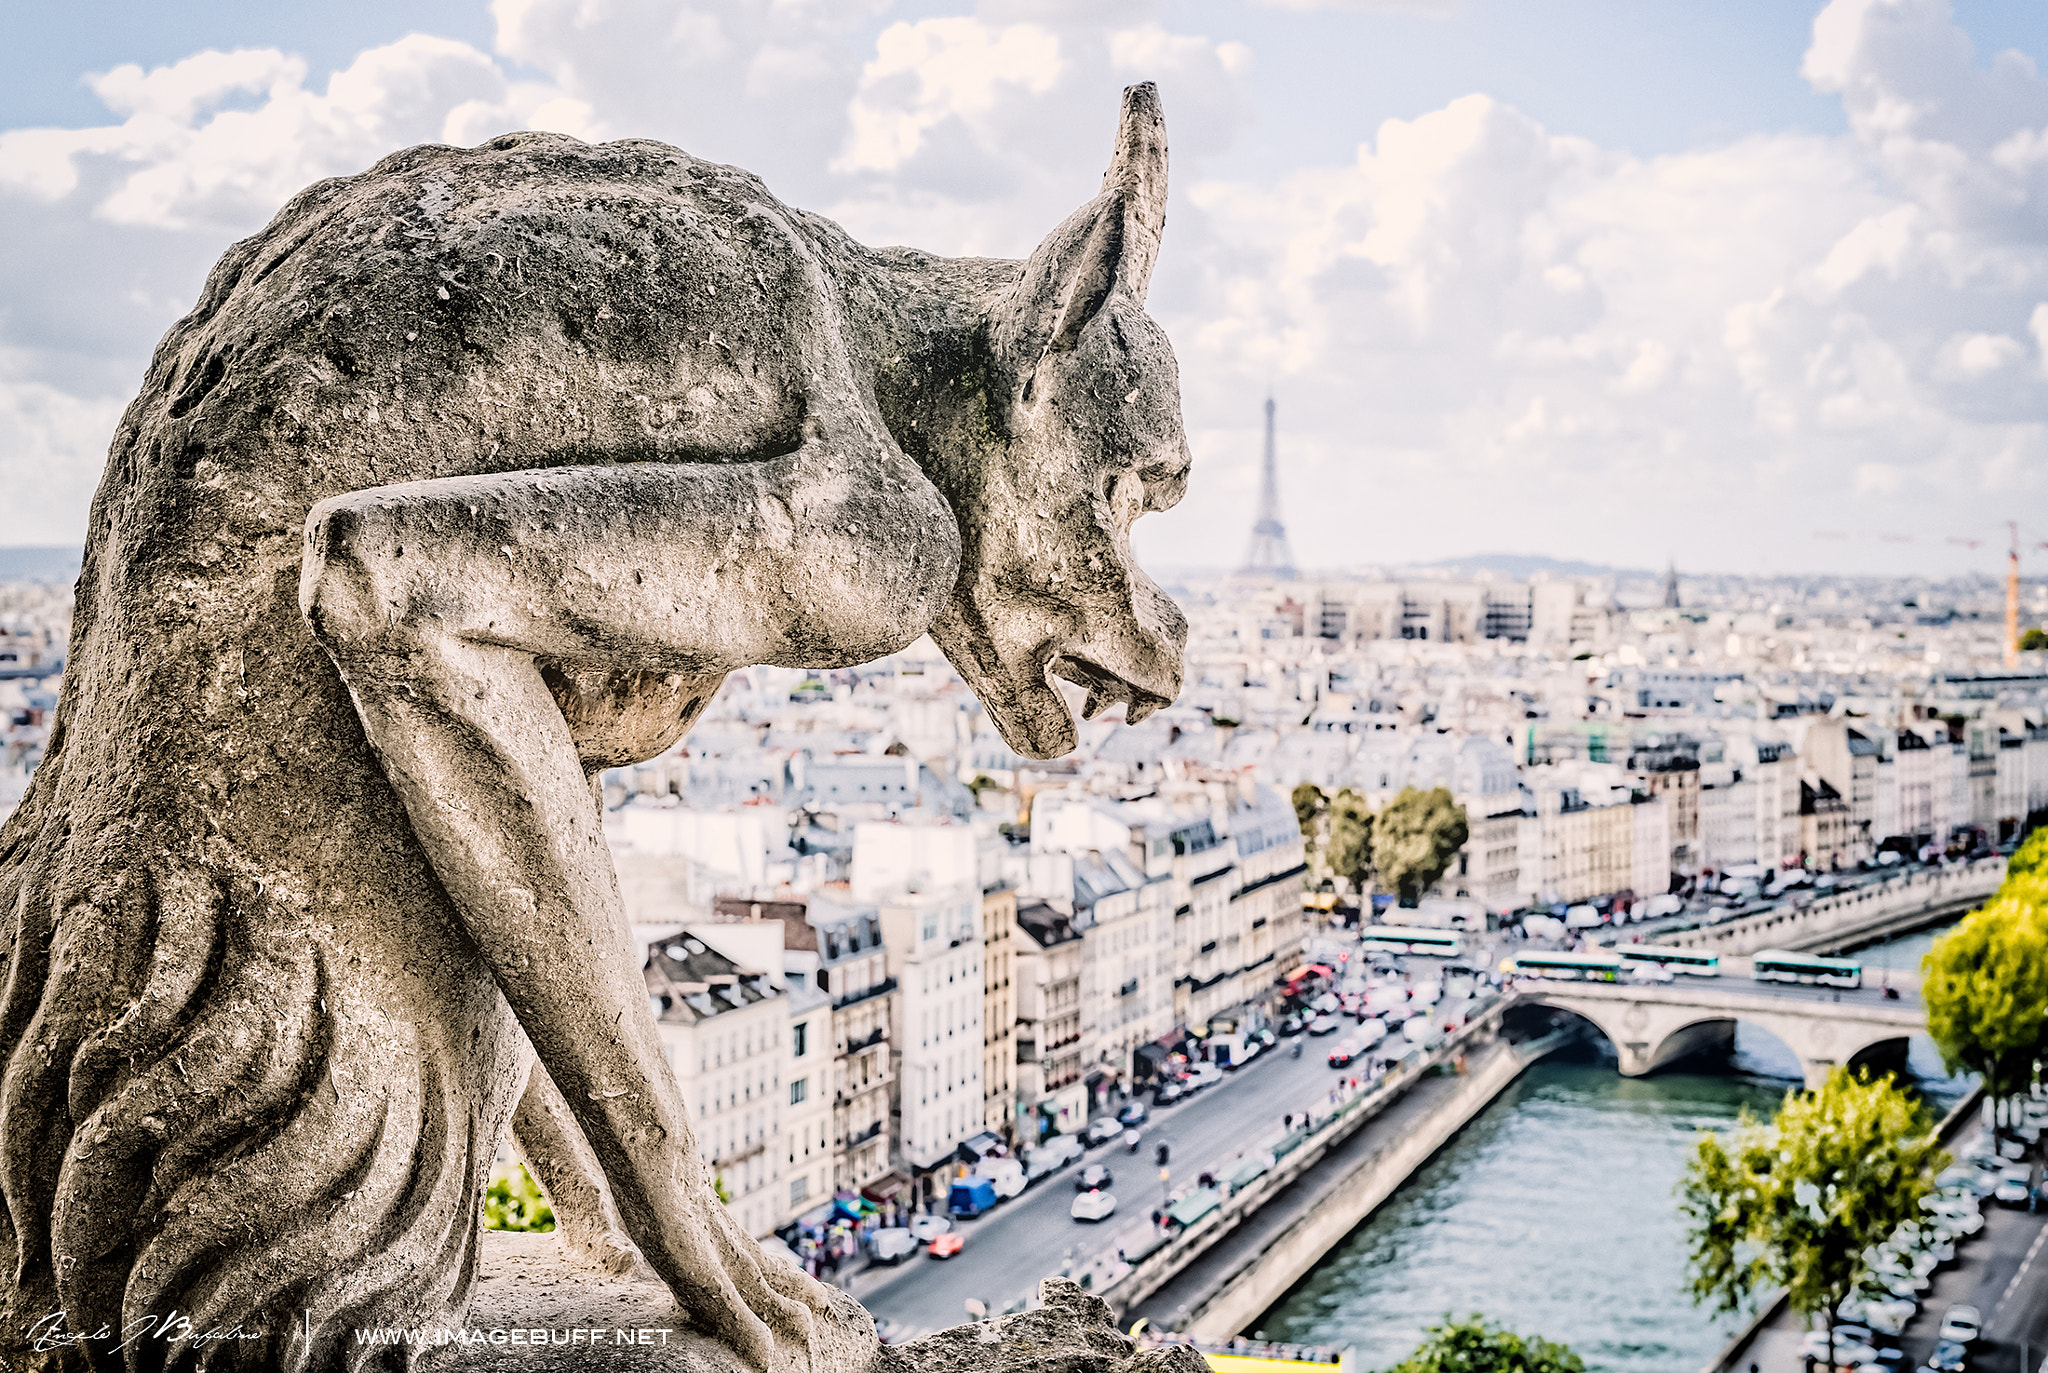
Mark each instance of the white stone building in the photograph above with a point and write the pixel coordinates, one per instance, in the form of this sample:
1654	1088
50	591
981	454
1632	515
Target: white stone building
724	1031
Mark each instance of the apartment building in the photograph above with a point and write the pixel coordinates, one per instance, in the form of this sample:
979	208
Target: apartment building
1048	979
1265	906
723	1030
999	1009
809	1145
833	947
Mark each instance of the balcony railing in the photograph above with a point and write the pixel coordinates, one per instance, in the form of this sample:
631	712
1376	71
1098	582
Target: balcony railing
869	1040
887	984
862	1136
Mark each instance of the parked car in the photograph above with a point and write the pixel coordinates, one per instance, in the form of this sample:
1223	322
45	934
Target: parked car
946	1246
929	1228
1007	1174
1961	1324
1168	1092
1093	1178
1093	1206
1101	1130
1948	1357
892	1245
1345	1052
971	1195
1053	1153
2015	1187
1323	1025
1848	1349
1204	1075
1292	1025
1133	1114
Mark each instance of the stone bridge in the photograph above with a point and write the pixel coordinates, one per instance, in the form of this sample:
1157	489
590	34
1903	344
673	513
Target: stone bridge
1653	1026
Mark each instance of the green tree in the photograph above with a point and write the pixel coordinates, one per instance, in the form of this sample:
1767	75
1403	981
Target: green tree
2029	859
1474	1346
1348	849
1415	839
1796	1203
514	1201
1985	984
1309	805
2034	640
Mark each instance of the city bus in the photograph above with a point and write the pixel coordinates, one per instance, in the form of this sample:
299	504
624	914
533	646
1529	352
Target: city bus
1782	965
1570	967
1690	961
1407	939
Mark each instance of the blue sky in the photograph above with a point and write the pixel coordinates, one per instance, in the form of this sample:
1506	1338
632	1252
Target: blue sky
1615	281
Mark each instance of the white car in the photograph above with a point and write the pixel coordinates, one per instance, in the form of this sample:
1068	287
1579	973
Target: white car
1847	1349
1093	1206
1204	1075
892	1245
928	1228
1962	1324
2014	1188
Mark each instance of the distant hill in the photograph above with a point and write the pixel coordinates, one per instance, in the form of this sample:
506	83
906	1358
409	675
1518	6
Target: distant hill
55	564
1525	564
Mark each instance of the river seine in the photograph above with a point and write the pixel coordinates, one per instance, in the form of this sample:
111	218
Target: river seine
1553	1213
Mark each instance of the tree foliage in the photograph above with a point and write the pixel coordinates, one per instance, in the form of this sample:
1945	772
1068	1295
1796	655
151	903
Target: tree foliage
1474	1346
1338	832
1797	1202
2034	640
514	1201
1985	982
2030	859
1350	850
1415	839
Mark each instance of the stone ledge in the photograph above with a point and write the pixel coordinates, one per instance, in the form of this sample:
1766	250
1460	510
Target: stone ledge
525	1285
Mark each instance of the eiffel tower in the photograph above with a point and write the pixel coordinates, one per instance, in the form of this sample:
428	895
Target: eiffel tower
1269	555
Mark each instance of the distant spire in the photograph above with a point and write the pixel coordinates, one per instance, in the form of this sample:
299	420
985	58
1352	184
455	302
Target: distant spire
1269	555
1671	601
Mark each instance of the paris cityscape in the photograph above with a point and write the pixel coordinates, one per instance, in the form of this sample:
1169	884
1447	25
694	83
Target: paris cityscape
1447	978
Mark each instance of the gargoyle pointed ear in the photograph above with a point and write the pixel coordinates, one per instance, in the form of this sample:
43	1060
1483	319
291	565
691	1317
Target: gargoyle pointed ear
1137	177
1108	244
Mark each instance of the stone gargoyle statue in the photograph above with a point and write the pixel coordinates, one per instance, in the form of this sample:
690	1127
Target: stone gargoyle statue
467	478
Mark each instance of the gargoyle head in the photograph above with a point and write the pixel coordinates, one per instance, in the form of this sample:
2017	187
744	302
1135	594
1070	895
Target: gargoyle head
1084	435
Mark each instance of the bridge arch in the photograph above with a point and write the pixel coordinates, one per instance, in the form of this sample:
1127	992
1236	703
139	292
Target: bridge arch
1653	1027
1882	1055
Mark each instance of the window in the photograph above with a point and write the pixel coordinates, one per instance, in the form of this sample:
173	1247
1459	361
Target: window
798	1090
800	1032
799	1191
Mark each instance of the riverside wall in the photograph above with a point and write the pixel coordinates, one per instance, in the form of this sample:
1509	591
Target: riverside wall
1126	1288
1864	916
1264	1277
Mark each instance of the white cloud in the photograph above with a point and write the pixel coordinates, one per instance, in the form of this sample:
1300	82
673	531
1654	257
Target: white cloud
1595	351
183	158
50	462
1482	333
934	70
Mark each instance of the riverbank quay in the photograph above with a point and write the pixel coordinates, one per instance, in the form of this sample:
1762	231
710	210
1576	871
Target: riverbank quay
1213	1280
1867	915
1999	1255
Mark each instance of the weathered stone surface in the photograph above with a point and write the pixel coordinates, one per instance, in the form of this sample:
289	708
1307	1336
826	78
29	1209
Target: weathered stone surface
629	1325
468	477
